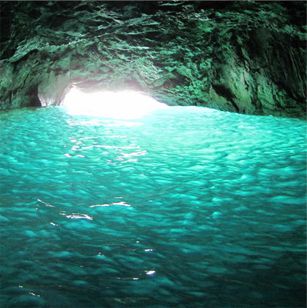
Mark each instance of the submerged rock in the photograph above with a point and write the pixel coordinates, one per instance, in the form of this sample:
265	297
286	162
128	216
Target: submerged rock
246	57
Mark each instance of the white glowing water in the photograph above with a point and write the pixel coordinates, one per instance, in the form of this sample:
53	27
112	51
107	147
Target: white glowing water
117	105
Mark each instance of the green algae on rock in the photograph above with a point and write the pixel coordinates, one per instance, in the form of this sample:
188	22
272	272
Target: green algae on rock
247	57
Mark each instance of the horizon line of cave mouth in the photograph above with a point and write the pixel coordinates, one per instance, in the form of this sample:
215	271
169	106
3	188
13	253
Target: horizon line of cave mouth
121	104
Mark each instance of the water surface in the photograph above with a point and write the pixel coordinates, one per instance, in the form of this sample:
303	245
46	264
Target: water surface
187	207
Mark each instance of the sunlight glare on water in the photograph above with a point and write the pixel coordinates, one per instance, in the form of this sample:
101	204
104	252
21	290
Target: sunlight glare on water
182	206
125	104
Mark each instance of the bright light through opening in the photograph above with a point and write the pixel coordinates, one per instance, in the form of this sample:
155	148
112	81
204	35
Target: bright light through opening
119	105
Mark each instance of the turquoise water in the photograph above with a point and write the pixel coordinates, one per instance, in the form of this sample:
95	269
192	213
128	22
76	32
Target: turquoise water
187	207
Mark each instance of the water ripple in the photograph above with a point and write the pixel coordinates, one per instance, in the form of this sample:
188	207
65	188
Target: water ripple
184	207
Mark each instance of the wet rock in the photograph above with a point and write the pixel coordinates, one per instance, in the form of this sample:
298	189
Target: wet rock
246	57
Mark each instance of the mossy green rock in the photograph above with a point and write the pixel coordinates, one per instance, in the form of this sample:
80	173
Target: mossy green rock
247	57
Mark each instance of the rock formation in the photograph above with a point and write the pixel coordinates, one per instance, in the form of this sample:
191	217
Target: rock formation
246	57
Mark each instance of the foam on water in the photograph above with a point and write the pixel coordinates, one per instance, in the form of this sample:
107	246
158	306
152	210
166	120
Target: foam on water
186	206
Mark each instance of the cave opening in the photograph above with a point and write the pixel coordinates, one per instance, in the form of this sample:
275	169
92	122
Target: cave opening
121	104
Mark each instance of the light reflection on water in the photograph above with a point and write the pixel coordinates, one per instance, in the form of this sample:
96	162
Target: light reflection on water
186	206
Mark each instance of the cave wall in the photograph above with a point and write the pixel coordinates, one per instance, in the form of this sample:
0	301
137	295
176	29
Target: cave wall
247	57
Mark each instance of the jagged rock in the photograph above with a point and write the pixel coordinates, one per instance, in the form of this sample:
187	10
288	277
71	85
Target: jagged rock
247	57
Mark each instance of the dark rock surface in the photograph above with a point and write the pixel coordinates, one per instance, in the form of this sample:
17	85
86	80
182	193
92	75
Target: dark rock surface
247	57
